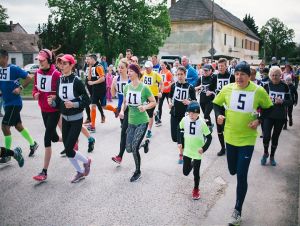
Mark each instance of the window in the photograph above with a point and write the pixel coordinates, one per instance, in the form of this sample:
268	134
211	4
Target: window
13	60
250	45
224	39
234	42
246	44
254	46
242	43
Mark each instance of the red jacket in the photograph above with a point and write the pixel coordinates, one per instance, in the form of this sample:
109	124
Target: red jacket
45	84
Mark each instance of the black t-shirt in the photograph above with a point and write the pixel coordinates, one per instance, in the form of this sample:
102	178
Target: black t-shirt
208	84
221	80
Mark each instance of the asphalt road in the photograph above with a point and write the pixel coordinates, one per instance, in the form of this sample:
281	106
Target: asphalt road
161	197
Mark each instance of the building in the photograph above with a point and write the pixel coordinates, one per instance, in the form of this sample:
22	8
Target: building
21	46
191	33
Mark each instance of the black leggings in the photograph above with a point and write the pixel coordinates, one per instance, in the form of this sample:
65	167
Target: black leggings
70	133
124	124
188	166
220	130
87	109
206	108
135	135
276	125
50	121
174	127
161	102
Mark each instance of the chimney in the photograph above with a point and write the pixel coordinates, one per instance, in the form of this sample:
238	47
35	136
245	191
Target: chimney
173	2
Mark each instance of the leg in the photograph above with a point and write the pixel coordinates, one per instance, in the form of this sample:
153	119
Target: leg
123	134
196	172
268	126
278	125
232	158
187	165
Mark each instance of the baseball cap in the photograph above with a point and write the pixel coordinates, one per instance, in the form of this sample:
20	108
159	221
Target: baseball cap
207	67
44	54
148	64
67	58
243	66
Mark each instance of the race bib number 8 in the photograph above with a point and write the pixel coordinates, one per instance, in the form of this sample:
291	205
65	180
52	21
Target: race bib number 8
148	80
134	98
180	94
242	101
44	83
4	74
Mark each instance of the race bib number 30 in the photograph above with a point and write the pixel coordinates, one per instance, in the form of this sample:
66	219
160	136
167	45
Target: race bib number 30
4	74
242	101
44	82
180	94
134	98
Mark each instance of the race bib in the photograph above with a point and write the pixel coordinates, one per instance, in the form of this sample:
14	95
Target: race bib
134	98
221	82
273	95
192	128
180	94
164	77
4	74
66	91
44	83
120	87
204	88
148	80
242	101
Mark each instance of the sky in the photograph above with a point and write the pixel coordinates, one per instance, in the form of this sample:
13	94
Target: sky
29	13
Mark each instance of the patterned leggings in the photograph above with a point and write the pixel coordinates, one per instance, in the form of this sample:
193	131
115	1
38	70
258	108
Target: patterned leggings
135	135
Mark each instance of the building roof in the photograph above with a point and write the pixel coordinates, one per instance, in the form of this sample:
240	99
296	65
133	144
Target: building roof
197	10
19	42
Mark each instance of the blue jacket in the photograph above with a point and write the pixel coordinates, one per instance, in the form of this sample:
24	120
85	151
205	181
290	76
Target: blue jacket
191	75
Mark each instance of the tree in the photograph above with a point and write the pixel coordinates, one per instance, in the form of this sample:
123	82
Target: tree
107	26
278	39
3	18
250	22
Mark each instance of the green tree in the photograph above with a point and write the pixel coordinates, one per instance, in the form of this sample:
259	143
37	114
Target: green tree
278	39
250	22
3	18
107	26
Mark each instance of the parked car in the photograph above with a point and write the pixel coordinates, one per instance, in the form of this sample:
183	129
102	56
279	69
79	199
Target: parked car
171	58
31	68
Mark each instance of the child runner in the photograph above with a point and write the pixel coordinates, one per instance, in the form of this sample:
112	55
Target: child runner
71	99
195	139
11	88
109	79
181	94
136	93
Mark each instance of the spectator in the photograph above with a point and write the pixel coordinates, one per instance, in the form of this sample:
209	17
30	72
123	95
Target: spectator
191	73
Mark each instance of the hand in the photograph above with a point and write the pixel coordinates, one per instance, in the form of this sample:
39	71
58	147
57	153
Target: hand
69	104
121	114
278	100
179	146
142	108
90	83
209	93
36	96
170	105
186	102
254	124
50	99
17	91
159	95
200	151
220	119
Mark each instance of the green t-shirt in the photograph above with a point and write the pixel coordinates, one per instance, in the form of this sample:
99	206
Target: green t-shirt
134	98
240	109
194	132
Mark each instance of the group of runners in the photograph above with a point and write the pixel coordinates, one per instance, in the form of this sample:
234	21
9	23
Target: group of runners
242	99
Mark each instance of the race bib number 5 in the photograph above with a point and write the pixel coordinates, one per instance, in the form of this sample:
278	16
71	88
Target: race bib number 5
242	101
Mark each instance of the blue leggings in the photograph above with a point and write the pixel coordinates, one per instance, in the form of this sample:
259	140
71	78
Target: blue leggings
238	159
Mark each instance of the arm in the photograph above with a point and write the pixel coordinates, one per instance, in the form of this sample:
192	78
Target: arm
296	97
207	142
35	92
84	98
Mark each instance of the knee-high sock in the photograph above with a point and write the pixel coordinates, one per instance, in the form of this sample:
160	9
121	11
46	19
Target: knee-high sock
80	157
93	116
110	108
76	165
26	135
221	139
7	141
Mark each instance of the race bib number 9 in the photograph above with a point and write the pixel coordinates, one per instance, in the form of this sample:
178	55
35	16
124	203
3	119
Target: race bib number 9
273	95
44	83
66	92
148	80
134	98
180	94
222	82
242	101
5	74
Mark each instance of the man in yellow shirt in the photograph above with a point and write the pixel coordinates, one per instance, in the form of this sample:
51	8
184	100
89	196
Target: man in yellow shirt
154	81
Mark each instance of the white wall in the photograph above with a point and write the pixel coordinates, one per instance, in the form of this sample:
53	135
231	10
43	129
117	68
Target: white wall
19	58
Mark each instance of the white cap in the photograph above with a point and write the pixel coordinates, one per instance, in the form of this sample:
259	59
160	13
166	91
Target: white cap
148	64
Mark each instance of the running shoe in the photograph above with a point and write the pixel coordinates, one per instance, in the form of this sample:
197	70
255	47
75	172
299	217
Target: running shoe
103	119
63	152
79	176
5	160
135	176
196	194
263	160
116	113
222	152
117	159
40	177
235	218
285	126
18	156
156	118
272	161
91	144
91	129
291	122
158	123
87	167
180	160
86	122
33	148
149	134
146	146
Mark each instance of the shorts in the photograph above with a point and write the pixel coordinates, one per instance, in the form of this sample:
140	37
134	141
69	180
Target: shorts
151	111
98	97
12	115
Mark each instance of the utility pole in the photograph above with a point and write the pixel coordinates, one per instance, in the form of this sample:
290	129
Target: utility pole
212	30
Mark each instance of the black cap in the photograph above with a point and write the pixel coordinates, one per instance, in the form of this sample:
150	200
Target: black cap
3	52
207	67
243	66
193	107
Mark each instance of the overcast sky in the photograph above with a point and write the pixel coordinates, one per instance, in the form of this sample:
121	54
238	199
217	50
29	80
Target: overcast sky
29	13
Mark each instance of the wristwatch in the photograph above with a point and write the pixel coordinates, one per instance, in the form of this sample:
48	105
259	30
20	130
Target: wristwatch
21	87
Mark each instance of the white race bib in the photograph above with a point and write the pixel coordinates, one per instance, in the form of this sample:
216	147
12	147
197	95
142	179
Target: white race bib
120	86
164	77
221	82
44	83
242	101
148	80
273	95
66	91
134	98
181	94
204	88
4	74
192	128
